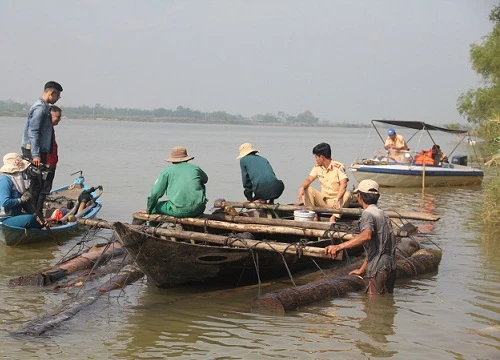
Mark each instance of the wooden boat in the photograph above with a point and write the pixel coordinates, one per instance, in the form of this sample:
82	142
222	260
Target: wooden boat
11	233
229	247
401	169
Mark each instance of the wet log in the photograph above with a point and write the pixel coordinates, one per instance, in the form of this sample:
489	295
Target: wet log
97	255
230	241
343	211
277	303
37	327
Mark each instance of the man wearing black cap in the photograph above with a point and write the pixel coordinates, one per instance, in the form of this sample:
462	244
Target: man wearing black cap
378	240
37	142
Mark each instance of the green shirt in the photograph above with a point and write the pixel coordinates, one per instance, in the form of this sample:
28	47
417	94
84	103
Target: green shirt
258	178
184	186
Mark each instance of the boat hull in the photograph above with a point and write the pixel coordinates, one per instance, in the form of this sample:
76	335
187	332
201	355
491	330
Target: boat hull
416	176
168	262
17	235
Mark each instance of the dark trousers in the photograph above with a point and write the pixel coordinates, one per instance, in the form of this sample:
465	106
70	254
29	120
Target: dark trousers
40	182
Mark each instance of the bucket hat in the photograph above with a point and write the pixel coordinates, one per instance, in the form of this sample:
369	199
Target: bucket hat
246	149
13	162
179	154
367	187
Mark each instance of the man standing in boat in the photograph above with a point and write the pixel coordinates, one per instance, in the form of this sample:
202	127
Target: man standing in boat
333	179
378	240
38	140
259	181
183	184
396	145
395	141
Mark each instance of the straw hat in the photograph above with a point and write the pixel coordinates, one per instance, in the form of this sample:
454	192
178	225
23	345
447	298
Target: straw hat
246	149
179	154
13	162
368	187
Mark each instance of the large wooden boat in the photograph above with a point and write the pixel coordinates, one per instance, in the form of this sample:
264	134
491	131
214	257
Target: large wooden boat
401	169
230	247
18	230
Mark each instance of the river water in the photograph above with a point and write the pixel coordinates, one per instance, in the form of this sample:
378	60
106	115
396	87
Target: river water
451	314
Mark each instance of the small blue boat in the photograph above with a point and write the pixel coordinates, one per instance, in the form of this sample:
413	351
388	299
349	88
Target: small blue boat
19	230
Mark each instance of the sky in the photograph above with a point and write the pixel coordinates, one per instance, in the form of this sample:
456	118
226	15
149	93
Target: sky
346	61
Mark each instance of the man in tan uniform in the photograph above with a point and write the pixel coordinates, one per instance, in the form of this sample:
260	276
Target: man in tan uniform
333	179
396	145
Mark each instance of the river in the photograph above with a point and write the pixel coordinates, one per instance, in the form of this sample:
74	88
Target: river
451	314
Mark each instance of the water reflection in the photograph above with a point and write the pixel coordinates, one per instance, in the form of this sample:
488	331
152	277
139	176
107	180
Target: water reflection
378	325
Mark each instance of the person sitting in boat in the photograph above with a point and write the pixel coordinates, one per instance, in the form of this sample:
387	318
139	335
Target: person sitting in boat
396	145
183	184
259	181
333	179
438	155
14	195
378	240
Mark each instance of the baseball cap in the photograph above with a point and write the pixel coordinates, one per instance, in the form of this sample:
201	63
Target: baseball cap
368	187
391	132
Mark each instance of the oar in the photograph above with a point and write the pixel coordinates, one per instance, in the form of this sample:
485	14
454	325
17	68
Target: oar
346	211
230	241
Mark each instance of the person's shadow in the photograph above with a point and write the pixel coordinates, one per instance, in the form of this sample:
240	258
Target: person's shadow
378	325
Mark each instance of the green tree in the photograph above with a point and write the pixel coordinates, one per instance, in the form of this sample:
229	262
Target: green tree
480	104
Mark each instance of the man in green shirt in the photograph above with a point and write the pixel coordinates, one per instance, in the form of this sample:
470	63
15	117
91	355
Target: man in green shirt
184	186
259	181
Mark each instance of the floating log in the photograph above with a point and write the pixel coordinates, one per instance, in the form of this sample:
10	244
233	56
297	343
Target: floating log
422	261
127	275
344	211
272	226
97	254
231	241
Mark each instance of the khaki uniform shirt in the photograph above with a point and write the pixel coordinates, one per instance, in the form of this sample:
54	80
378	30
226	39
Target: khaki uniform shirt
329	177
398	142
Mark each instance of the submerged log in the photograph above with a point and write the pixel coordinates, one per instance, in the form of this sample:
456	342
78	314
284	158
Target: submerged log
230	241
127	275
344	211
98	254
422	261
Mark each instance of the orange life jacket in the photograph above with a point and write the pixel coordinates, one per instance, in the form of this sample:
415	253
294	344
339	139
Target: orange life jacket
424	156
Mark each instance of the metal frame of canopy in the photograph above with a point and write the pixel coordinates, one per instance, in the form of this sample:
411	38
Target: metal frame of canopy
421	126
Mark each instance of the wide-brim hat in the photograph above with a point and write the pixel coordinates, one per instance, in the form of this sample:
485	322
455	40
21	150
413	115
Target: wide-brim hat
179	154
13	162
367	187
246	149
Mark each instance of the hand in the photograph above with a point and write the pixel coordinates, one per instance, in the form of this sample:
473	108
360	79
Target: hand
99	188
332	250
336	203
300	194
357	272
36	161
25	197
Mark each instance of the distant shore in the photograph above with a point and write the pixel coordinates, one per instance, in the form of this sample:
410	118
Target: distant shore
195	121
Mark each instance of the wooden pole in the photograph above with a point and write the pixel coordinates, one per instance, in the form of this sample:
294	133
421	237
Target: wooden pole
346	211
276	226
423	174
267	245
273	227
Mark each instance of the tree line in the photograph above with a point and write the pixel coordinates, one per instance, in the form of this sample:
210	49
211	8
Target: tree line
98	111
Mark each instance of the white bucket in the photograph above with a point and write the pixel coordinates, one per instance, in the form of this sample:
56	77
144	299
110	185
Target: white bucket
303	215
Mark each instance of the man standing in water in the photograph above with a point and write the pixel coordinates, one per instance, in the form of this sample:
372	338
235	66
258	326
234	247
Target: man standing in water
37	142
378	240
